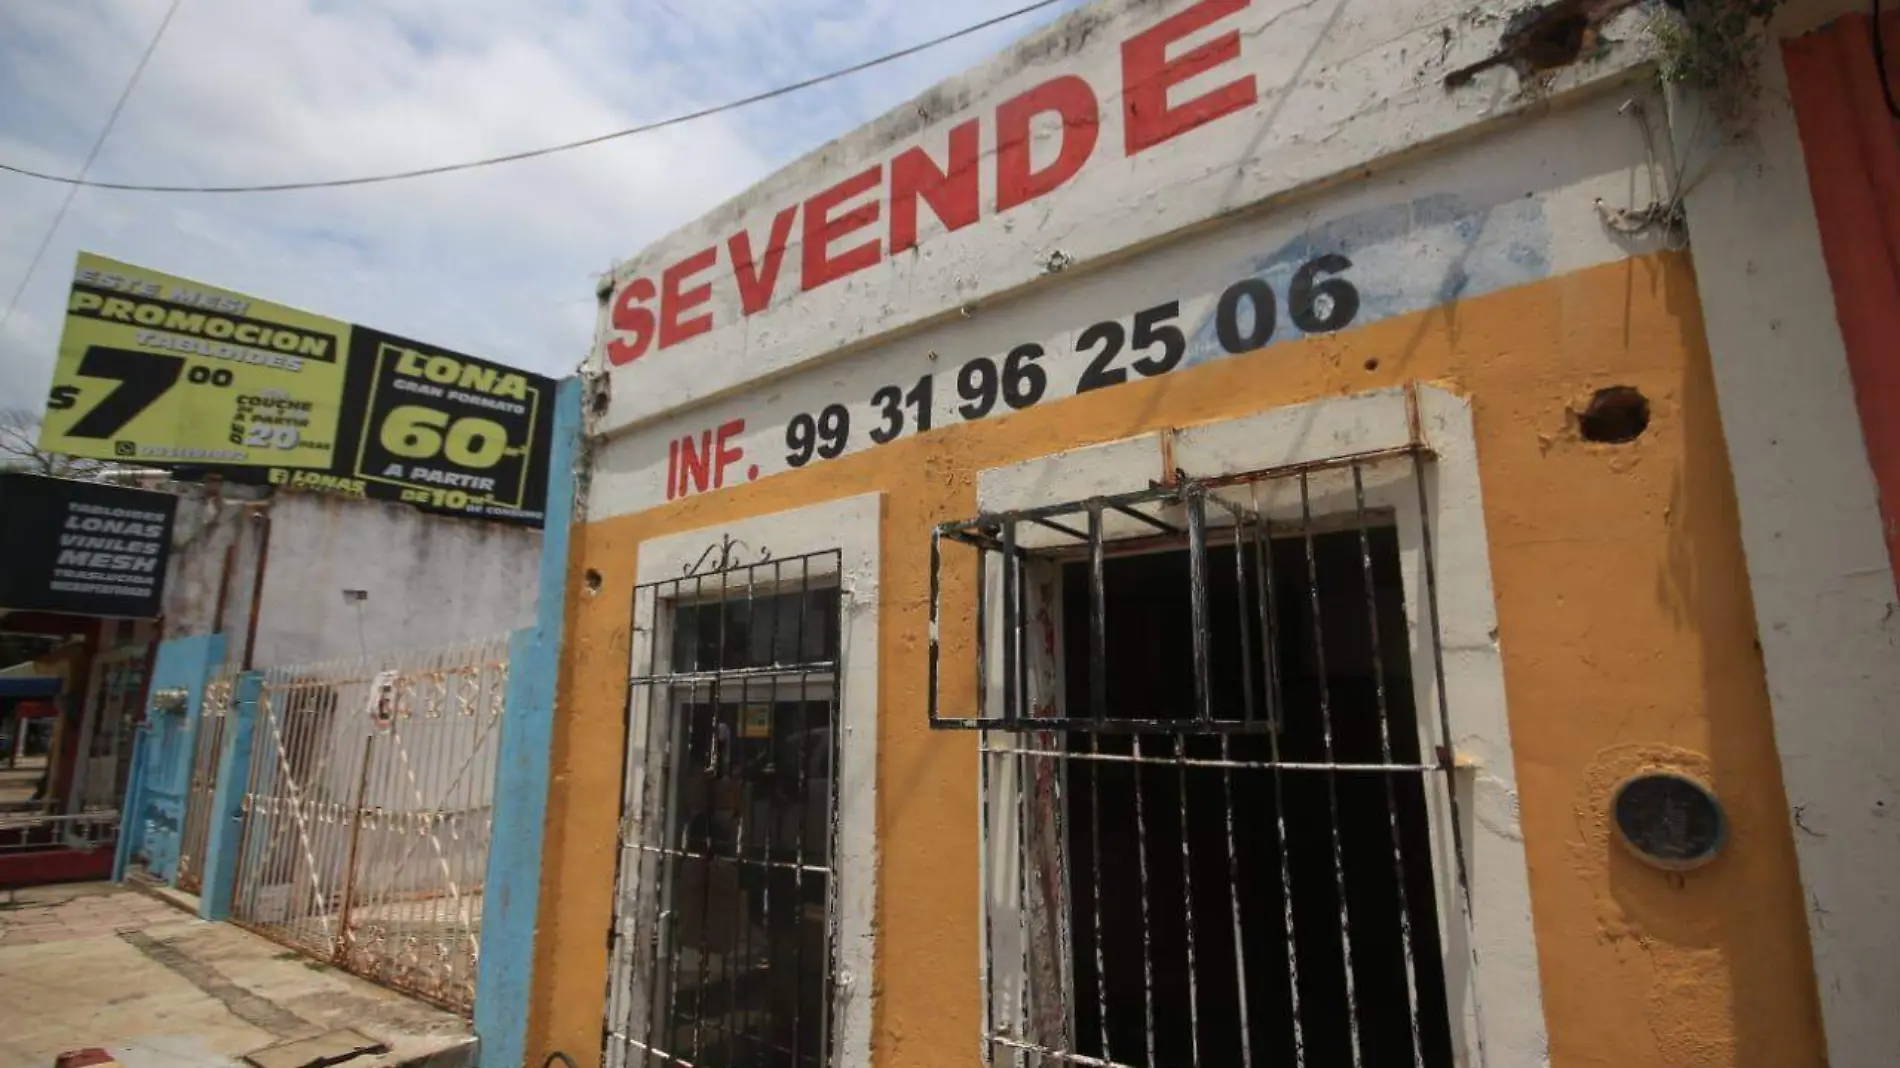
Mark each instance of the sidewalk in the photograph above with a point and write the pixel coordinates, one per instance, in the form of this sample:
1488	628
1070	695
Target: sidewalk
96	965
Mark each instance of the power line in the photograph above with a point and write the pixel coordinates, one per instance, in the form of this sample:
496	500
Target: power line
80	180
46	241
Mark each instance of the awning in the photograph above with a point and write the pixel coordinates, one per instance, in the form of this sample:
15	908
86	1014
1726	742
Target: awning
29	686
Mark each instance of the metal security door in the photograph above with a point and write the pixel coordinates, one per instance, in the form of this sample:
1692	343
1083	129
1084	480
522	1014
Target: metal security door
299	811
366	821
420	845
207	743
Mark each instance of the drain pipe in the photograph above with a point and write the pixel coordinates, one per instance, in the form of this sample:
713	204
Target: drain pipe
261	517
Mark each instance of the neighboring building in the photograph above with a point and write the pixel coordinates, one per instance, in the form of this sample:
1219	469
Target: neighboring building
1331	475
284	579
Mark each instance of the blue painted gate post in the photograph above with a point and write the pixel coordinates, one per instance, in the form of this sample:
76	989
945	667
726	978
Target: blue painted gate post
512	892
153	816
224	832
131	826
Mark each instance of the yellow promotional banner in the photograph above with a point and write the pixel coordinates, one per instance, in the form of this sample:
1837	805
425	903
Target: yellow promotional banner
162	371
159	369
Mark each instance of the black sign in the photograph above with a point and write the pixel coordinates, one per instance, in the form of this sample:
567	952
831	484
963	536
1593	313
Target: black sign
82	548
427	426
445	431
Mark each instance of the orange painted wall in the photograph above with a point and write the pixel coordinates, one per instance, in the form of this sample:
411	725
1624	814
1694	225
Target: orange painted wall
1627	635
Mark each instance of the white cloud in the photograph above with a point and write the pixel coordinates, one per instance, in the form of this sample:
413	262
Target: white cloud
497	262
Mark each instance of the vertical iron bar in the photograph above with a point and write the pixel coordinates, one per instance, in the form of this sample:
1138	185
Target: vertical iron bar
1233	894
1197	598
1187	887
1095	896
804	817
1446	757
1332	777
1098	619
1063	906
982	634
1024	852
1268	605
983	758
1012	625
1385	752
834	729
645	956
1147	947
678	719
740	863
355	816
772	815
1248	711
707	850
936	612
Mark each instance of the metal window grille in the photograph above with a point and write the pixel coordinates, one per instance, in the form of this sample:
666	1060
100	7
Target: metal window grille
1212	788
725	917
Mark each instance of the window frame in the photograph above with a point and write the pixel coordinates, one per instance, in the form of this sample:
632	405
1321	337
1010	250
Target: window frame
1482	893
850	528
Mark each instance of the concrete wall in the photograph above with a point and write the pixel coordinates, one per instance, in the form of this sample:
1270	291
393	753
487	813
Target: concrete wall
431	580
1822	584
1175	113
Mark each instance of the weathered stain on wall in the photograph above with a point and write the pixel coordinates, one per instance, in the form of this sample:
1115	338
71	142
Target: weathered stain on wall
1479	263
1624	620
430	580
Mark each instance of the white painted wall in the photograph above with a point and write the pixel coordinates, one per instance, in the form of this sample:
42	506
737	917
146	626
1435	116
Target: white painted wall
432	580
1811	528
1511	207
1337	87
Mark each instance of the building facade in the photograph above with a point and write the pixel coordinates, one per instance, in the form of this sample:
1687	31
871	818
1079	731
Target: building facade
1243	531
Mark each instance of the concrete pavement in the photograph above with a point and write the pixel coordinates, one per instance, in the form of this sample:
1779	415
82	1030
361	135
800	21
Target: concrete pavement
96	965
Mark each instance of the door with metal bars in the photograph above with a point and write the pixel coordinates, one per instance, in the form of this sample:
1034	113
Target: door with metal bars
1216	807
207	744
725	917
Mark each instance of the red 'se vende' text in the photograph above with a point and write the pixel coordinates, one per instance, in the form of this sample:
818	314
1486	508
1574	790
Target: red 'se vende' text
873	214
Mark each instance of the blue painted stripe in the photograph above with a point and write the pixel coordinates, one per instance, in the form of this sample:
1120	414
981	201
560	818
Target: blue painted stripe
512	895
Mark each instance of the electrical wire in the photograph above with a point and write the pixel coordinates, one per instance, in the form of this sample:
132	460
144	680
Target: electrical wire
1880	65
512	157
46	241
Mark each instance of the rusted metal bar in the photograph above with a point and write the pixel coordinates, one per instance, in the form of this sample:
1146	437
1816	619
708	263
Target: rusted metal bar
1098	618
261	517
1332	786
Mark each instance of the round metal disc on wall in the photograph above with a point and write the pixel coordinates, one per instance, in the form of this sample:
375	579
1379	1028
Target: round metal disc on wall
1669	821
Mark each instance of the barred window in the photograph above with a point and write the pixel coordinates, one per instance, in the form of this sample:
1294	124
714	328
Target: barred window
1213	782
722	944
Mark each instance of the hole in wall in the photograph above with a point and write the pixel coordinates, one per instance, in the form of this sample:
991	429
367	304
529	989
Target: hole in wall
1372	364
1614	416
593	580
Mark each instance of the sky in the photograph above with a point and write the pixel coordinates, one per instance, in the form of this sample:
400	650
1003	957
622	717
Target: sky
498	262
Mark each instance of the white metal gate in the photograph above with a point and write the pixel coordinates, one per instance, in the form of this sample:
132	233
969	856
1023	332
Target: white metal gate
207	741
367	815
